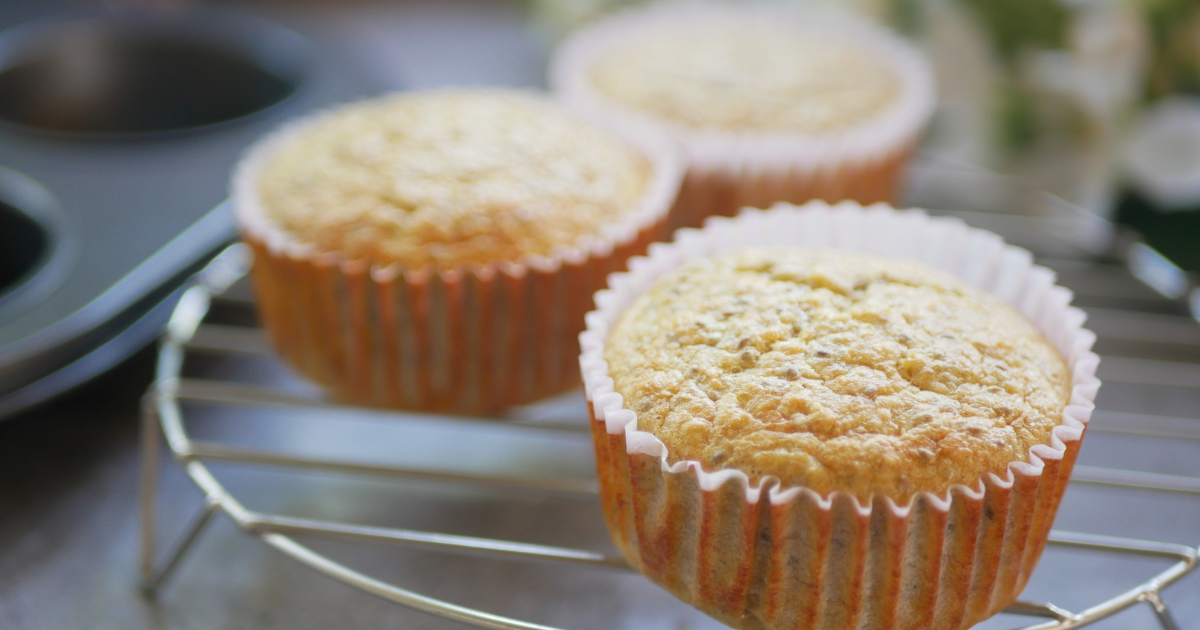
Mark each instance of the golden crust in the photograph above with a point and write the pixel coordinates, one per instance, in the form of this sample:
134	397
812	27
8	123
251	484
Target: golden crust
836	371
450	178
742	77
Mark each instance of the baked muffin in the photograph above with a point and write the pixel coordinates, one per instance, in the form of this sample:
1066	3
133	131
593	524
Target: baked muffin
434	250
836	371
771	103
747	77
450	179
798	424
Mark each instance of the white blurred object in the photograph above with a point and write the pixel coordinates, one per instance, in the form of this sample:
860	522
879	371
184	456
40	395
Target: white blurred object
1160	274
1163	157
1079	94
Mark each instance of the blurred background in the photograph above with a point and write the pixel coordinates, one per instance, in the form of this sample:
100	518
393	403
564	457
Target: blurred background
1052	96
1071	127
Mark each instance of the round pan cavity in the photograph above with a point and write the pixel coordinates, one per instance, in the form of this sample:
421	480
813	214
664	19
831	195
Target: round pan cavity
36	244
141	73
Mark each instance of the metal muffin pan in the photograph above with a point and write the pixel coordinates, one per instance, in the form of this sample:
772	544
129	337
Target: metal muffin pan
117	133
37	245
144	72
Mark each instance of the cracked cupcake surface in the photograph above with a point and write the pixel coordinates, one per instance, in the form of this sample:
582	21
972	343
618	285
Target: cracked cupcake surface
836	371
743	77
450	178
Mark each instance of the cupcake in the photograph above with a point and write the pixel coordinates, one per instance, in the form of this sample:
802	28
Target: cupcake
770	103
835	417
437	251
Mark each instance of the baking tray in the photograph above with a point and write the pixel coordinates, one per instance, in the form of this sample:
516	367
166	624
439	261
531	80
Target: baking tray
111	164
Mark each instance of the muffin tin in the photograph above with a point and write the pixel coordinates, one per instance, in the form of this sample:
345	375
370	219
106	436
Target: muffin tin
117	132
37	247
136	73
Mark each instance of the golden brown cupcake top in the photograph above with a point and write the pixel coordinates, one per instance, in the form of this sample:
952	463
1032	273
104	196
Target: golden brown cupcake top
450	178
836	371
747	77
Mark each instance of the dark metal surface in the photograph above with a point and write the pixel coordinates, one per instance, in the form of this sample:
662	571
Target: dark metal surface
129	191
36	246
24	246
121	74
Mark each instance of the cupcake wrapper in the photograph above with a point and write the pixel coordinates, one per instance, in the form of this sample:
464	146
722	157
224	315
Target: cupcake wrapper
468	340
764	556
722	191
729	170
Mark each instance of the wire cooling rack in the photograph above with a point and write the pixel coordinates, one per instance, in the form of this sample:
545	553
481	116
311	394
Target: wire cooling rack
188	333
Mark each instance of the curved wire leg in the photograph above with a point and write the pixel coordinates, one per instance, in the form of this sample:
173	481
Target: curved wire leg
153	574
157	575
148	488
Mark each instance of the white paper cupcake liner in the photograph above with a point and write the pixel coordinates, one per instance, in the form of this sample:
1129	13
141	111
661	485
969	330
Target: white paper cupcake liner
730	170
801	560
472	339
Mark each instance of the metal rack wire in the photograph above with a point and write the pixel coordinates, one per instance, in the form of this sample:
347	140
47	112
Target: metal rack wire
163	417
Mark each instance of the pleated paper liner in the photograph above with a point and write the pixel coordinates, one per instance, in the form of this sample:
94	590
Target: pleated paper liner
764	556
469	340
729	170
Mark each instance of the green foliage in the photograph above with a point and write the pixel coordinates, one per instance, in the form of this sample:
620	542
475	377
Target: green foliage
1017	119
906	16
1175	51
1015	25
